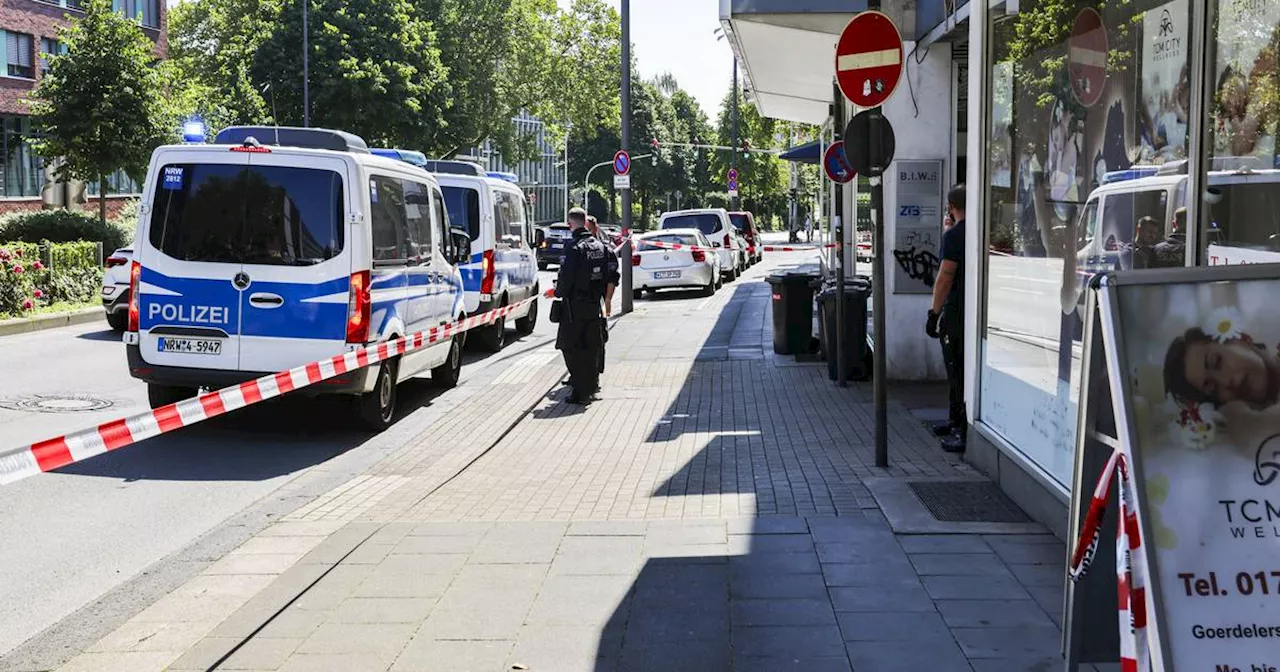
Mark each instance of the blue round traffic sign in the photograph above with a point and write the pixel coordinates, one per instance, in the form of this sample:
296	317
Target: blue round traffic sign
621	163
836	164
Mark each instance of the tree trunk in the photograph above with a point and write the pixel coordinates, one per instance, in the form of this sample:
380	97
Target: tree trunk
102	198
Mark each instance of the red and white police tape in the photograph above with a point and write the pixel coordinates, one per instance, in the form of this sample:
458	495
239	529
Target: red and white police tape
50	454
1130	570
696	248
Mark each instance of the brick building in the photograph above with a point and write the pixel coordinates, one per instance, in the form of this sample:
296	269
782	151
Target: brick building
28	31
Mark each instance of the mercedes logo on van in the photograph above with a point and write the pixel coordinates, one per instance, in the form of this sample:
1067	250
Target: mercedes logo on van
241	281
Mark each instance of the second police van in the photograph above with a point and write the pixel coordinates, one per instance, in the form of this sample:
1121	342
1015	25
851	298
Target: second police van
502	268
276	247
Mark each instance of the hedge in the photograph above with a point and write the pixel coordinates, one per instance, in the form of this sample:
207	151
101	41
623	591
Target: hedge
33	275
67	226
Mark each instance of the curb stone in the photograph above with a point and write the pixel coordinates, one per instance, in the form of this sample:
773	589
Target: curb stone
24	325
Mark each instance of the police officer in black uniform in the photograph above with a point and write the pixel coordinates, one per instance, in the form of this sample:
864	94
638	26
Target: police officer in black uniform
581	285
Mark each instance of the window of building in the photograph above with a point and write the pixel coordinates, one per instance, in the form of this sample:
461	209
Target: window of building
146	12
1070	116
18	53
1240	212
49	47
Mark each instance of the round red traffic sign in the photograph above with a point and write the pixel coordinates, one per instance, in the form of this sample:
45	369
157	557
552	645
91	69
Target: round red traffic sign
836	164
869	59
1087	57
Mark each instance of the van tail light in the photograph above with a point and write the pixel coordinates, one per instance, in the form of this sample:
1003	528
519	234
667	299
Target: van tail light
488	271
112	262
135	272
359	309
635	260
699	255
726	241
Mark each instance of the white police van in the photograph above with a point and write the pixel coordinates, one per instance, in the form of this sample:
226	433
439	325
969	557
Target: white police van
276	247
502	268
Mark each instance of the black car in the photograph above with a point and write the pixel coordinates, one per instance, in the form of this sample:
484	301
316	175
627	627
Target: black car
555	240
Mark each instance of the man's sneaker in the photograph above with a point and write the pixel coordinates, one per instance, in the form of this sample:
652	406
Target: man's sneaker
954	443
941	429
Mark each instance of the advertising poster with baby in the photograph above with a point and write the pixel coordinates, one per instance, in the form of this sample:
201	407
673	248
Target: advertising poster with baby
1203	362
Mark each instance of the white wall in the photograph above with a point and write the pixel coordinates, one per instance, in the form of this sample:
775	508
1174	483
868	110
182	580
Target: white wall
912	355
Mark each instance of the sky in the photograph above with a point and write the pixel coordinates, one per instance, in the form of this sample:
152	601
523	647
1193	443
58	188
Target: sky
676	36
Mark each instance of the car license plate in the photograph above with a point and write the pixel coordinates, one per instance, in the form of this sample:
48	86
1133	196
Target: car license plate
557	246
659	275
190	346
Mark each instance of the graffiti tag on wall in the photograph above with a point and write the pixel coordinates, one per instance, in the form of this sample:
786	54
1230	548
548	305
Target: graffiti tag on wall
916	251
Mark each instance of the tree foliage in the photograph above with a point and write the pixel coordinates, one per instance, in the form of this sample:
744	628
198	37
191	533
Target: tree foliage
100	106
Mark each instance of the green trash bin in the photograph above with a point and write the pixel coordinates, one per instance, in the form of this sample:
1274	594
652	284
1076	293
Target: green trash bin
791	297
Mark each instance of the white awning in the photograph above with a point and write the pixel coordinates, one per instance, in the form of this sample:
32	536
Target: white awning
786	50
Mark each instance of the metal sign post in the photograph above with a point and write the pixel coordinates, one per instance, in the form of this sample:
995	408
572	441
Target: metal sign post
625	253
838	219
868	65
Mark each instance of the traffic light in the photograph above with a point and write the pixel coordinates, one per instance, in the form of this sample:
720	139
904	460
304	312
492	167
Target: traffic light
653	144
746	145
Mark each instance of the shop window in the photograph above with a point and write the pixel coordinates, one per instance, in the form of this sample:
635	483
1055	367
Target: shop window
1089	119
1240	210
18	49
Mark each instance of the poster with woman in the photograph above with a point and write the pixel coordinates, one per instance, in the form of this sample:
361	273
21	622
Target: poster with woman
1203	360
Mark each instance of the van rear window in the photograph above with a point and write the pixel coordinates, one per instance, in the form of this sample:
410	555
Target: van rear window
271	215
707	223
463	204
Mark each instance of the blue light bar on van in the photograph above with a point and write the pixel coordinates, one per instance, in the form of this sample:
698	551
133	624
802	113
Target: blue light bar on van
194	131
288	136
407	155
509	177
1134	173
445	167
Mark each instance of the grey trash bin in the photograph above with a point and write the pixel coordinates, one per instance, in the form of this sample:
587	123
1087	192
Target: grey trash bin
858	357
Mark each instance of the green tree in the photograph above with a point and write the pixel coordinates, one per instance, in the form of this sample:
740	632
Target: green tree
375	70
212	44
101	106
762	178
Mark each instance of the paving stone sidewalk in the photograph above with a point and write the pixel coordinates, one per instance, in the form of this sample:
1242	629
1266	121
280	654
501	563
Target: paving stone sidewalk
708	514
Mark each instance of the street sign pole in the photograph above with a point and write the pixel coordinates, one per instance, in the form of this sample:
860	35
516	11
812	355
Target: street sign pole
733	161
840	351
625	264
880	389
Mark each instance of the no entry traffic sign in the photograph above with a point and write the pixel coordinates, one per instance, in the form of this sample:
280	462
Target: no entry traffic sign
869	143
1087	57
621	163
836	164
869	59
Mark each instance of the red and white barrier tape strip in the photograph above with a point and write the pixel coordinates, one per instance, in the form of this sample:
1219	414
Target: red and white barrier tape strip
696	248
1130	571
58	452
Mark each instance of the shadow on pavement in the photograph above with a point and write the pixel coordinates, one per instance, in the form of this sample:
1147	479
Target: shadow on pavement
767	608
105	336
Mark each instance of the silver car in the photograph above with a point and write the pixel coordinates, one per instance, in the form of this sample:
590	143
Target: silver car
115	288
655	267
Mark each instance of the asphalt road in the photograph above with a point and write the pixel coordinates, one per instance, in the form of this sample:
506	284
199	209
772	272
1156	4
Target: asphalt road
127	524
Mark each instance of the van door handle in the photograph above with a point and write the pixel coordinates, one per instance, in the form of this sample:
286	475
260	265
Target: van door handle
265	300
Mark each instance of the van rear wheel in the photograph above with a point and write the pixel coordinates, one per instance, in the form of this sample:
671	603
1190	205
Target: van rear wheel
526	324
160	396
494	336
378	408
447	375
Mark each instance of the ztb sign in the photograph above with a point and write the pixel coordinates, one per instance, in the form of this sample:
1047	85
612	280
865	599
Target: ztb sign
869	59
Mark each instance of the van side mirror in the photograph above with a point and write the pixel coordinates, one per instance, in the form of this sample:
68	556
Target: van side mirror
461	245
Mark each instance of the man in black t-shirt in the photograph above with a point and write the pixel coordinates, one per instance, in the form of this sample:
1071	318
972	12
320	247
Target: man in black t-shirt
946	318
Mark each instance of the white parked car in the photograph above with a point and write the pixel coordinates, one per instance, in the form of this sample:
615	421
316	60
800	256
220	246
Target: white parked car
115	288
715	225
655	267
